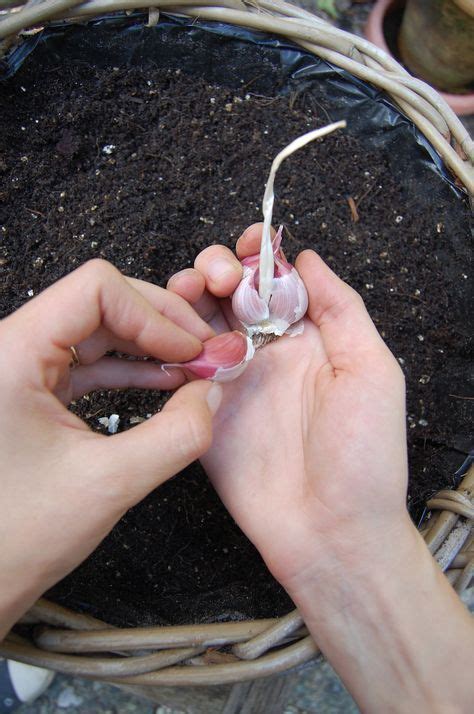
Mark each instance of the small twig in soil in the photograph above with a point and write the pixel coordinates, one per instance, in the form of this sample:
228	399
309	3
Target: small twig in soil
314	102
293	98
33	210
94	414
65	253
459	396
53	69
140	126
359	200
264	101
354	212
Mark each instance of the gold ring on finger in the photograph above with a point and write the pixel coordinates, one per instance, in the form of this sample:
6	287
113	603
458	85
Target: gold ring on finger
75	361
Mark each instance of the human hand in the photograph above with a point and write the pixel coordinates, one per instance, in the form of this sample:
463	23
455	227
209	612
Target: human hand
309	456
309	443
63	487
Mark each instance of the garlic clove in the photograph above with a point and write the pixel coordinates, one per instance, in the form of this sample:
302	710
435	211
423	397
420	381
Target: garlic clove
247	305
282	266
222	359
289	299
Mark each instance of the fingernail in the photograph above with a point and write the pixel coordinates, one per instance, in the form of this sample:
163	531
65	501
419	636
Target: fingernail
221	268
214	398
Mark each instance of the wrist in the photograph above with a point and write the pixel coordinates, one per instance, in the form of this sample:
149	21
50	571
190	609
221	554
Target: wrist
25	574
391	625
347	552
17	594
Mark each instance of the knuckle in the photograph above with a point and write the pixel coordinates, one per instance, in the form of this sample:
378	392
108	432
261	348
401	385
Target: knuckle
211	252
99	270
198	435
355	297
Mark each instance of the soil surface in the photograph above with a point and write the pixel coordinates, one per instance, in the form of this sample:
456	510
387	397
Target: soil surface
144	167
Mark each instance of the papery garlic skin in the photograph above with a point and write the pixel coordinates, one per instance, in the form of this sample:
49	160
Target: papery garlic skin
287	303
222	359
227	374
247	305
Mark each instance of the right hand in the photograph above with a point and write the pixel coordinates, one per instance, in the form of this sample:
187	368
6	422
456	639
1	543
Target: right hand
309	455
309	449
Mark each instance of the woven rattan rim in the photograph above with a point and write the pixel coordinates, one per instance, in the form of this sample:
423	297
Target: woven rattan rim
192	654
222	653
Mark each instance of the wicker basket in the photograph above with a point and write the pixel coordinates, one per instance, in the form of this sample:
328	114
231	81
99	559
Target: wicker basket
252	649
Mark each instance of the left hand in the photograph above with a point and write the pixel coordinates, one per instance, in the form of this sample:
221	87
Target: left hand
63	486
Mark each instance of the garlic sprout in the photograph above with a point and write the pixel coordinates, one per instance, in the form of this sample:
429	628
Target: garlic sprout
266	264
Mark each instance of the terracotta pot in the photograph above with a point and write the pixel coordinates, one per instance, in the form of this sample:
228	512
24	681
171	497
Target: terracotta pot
461	103
445	54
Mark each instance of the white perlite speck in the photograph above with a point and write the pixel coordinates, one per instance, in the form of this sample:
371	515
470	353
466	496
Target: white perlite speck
114	420
111	423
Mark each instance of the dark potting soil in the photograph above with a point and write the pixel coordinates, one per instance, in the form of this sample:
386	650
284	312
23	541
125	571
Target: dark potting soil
146	167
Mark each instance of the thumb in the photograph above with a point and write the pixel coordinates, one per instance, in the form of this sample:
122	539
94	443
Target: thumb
142	458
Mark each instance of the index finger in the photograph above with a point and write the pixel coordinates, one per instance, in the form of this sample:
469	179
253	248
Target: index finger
176	308
220	268
250	240
95	295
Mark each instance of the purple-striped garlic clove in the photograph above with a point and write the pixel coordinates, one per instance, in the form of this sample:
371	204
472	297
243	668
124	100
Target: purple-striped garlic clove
222	359
288	301
247	305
